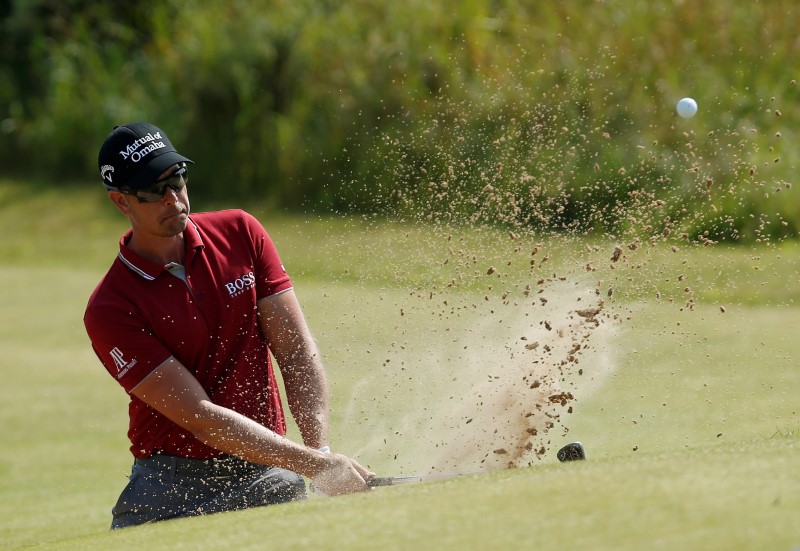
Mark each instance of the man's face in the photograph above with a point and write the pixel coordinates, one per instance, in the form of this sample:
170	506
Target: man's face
164	217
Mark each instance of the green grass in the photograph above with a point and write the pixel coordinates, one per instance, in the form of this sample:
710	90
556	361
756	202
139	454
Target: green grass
701	499
689	414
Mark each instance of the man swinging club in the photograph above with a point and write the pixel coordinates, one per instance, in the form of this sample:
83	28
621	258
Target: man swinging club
185	320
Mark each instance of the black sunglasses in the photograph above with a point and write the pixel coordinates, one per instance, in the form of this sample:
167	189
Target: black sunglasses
155	193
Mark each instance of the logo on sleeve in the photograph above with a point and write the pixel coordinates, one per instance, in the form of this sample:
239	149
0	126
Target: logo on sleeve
122	364
240	284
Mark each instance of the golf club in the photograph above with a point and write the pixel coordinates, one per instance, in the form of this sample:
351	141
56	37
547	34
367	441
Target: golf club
378	481
571	452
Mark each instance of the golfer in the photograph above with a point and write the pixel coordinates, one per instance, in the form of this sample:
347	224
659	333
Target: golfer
185	320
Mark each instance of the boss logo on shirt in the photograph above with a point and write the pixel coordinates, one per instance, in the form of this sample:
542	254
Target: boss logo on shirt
241	284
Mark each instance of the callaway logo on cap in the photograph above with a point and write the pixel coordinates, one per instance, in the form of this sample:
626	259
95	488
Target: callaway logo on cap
134	156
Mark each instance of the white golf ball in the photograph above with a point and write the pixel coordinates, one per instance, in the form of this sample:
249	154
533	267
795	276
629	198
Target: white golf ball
686	107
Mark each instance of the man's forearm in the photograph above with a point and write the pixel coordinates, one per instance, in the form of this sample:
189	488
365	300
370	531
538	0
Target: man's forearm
307	396
175	393
294	348
234	434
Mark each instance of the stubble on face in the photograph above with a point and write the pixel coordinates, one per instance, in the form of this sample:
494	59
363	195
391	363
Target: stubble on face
162	219
175	221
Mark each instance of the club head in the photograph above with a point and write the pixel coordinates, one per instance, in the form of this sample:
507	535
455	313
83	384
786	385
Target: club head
571	452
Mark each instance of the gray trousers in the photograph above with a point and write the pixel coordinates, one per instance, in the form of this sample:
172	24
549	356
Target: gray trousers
164	487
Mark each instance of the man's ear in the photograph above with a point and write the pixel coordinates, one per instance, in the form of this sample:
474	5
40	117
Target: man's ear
120	201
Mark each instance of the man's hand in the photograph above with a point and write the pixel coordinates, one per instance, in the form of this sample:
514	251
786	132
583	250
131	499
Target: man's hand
342	476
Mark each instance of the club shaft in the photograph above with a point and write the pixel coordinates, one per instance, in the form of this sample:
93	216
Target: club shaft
395	480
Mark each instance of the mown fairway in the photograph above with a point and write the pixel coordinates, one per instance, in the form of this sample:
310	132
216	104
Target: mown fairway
688	412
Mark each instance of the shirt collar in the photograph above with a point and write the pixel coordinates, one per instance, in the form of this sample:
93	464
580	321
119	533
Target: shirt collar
148	269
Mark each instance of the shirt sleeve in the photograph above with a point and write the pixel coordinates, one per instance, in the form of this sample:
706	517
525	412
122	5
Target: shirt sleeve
271	276
125	347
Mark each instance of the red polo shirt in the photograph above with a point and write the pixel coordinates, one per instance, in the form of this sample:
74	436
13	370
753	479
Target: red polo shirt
140	315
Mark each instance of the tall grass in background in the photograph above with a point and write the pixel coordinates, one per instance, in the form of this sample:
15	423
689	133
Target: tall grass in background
528	114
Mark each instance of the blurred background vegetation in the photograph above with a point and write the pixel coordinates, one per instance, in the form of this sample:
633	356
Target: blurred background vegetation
521	113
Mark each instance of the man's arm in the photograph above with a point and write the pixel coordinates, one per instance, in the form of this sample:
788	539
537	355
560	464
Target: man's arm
174	392
290	340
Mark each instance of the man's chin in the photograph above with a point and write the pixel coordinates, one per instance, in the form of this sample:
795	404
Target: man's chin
176	223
